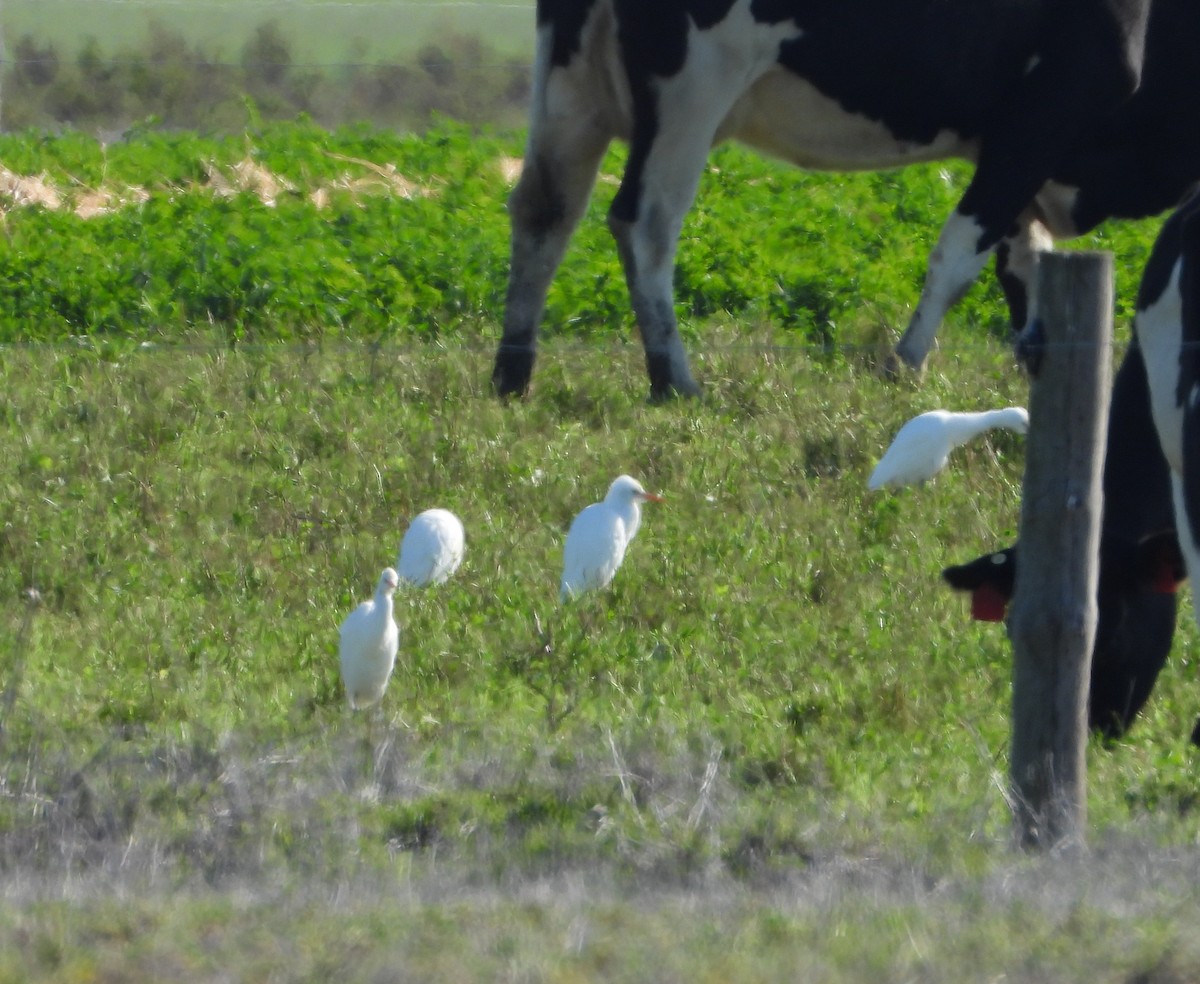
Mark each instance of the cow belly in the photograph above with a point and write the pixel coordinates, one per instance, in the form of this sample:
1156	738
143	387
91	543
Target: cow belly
787	117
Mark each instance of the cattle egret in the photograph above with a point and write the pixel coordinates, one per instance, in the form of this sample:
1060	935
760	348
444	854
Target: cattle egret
432	548
923	445
599	536
367	644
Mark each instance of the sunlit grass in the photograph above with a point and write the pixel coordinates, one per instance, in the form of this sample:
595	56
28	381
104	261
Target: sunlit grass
777	690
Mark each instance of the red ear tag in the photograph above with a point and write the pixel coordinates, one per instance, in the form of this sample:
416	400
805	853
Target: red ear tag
988	604
1164	581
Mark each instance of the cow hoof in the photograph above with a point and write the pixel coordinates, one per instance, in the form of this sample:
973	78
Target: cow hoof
908	354
668	379
507	391
1031	347
895	367
665	394
510	377
891	367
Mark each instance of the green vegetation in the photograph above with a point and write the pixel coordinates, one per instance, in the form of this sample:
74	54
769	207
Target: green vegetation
361	262
776	749
778	701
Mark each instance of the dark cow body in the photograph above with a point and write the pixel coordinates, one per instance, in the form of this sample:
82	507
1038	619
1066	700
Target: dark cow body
1134	162
1140	564
1036	92
1142	159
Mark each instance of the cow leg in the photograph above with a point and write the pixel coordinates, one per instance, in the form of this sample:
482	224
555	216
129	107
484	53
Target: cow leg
566	144
969	236
646	217
1016	267
1091	61
687	65
954	264
674	130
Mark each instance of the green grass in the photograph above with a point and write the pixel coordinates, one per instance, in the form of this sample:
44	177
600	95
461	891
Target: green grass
824	254
775	749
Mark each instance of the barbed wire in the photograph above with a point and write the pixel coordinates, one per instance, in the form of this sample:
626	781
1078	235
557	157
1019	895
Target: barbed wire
556	345
506	66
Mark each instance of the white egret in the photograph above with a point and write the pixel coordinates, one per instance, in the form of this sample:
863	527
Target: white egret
599	536
367	644
923	445
432	548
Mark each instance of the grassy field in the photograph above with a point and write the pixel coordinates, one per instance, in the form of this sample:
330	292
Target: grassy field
322	33
776	749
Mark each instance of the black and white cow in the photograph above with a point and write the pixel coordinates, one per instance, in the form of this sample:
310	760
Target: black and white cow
1031	90
1167	326
1140	563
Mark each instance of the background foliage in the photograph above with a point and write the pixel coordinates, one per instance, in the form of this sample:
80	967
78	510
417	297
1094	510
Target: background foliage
104	66
305	245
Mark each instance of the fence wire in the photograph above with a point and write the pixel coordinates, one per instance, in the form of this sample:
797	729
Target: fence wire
555	345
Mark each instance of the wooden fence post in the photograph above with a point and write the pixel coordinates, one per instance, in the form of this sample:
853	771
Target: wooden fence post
1053	620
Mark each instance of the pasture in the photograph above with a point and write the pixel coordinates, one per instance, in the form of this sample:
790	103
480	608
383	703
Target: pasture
776	749
321	33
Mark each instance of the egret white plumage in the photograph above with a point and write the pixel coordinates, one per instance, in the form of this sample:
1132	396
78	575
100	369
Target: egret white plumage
922	446
432	548
599	536
367	644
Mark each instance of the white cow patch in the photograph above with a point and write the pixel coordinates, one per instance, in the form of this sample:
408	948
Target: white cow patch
733	67
1187	538
953	266
1159	330
780	114
593	89
787	117
1055	203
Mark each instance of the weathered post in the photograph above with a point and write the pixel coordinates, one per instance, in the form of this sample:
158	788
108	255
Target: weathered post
1053	621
